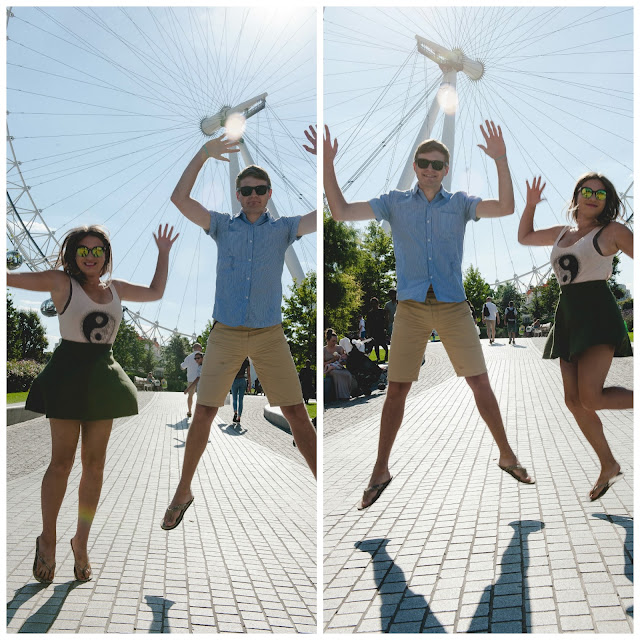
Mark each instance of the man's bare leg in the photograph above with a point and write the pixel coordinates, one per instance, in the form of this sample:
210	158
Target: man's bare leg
197	439
390	421
190	394
303	432
490	413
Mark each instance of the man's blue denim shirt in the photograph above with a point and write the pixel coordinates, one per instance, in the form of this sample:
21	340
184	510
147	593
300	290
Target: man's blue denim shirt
428	239
250	263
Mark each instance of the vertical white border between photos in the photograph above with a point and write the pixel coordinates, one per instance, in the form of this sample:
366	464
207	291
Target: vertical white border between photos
319	310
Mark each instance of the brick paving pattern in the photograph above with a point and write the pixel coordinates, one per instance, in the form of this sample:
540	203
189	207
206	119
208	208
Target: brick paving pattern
243	559
456	545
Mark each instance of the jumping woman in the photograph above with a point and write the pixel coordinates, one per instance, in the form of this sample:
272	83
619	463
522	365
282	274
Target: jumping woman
588	329
82	388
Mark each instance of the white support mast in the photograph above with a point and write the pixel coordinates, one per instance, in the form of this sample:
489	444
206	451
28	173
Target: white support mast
450	62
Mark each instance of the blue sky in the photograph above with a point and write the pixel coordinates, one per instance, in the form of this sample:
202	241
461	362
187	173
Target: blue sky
105	106
558	80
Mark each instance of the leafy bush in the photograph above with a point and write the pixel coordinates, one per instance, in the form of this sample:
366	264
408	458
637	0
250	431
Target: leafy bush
21	374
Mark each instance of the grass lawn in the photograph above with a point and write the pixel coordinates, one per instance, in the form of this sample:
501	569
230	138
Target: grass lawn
312	410
17	397
631	336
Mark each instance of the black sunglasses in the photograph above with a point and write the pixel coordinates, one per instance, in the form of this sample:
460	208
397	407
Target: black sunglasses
438	165
261	189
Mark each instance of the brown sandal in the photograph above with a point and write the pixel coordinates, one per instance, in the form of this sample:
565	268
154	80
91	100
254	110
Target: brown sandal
85	571
41	560
377	490
517	467
181	508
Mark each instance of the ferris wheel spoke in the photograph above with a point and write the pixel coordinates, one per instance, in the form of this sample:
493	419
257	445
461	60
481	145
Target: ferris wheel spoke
79	168
94	51
575	135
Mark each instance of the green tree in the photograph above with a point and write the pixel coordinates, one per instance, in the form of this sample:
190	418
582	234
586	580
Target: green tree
149	360
173	355
299	320
617	290
32	337
476	289
375	270
504	294
204	336
13	330
342	295
128	348
544	300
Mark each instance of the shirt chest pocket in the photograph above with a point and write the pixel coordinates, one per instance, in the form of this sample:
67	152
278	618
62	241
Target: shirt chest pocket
448	223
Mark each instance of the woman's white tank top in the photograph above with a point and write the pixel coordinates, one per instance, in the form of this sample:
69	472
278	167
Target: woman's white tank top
581	262
83	320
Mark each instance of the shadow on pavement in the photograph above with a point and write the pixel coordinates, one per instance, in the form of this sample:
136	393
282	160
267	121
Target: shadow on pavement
385	567
41	620
334	404
627	548
511	585
230	430
159	608
179	426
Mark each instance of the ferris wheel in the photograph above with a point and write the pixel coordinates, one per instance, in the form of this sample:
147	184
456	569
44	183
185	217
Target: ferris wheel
106	107
558	81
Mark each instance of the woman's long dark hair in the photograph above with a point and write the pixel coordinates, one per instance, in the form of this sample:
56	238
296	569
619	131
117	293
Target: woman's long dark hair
613	208
67	255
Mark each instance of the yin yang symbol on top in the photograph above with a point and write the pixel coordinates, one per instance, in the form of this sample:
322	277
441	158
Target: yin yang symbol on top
98	327
568	268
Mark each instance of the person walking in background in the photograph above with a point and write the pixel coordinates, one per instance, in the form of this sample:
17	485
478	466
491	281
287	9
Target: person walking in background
307	381
361	330
192	373
511	318
238	389
490	316
193	387
248	308
376	323
82	388
588	330
428	225
390	311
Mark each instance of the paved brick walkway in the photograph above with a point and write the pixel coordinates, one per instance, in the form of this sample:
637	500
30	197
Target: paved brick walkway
456	545
244	558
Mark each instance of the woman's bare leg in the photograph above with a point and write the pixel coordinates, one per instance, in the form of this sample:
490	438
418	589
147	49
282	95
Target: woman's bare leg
64	441
587	419
95	437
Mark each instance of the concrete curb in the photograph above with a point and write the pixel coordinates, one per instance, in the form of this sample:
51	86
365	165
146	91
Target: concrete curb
17	413
275	417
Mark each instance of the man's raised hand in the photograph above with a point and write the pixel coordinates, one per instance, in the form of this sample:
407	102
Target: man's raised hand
494	145
312	137
215	147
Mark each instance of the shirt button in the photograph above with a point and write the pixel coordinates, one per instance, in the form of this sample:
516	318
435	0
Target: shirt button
249	278
250	240
429	258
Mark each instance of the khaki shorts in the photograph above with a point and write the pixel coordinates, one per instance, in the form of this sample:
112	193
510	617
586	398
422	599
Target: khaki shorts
269	351
412	328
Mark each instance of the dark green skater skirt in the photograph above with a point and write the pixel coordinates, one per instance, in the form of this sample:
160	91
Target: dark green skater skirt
82	381
587	314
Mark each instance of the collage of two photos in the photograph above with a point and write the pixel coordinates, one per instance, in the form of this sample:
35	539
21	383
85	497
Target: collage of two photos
397	240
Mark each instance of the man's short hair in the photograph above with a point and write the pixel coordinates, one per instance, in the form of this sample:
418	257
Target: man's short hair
432	145
253	171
